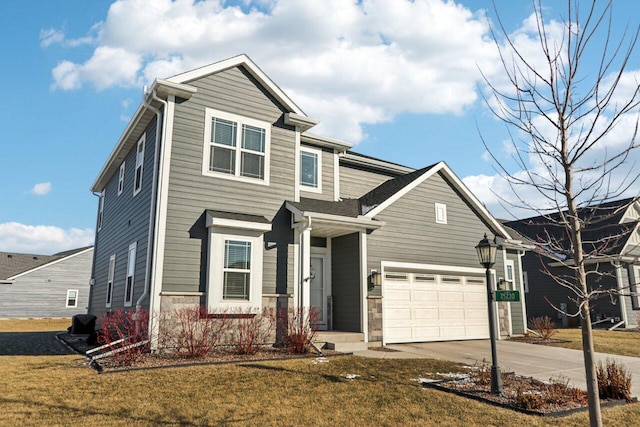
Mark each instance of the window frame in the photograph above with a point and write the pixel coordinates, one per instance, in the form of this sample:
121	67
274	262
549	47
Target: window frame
441	213
318	154
121	178
101	209
509	281
129	282
75	299
226	269
525	282
138	178
240	122
111	272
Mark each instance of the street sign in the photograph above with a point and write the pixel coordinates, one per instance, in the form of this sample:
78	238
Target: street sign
507	296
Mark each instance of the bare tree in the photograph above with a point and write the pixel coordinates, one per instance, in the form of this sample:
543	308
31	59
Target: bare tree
561	111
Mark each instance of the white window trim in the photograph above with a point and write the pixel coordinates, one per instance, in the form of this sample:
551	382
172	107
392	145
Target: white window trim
210	113
441	207
318	153
133	248
509	283
247	232
110	278
77	295
101	210
140	165
121	178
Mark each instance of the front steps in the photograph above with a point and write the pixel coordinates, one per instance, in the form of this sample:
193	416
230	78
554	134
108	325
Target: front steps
345	342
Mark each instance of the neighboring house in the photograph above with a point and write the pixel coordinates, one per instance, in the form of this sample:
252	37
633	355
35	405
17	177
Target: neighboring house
611	238
217	195
45	285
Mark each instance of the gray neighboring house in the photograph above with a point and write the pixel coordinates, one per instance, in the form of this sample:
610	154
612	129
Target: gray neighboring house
217	195
612	234
33	286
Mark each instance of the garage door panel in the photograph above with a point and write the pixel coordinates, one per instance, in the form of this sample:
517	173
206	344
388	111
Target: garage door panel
426	333
451	296
425	314
395	314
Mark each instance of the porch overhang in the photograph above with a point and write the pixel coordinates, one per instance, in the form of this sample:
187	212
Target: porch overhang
330	225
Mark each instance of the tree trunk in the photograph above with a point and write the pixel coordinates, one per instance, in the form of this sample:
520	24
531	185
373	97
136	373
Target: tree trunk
595	416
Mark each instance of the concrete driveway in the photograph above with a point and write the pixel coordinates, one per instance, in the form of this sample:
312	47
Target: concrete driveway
537	361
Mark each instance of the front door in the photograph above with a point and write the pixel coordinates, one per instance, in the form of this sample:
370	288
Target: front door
317	291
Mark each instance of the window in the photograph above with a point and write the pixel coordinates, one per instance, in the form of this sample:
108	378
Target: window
121	179
508	271
633	288
237	270
72	298
131	268
310	169
101	209
137	181
236	147
112	270
525	281
396	276
441	213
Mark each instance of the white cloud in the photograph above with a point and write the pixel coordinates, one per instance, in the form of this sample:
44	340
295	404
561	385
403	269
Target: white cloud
42	239
41	188
50	36
355	62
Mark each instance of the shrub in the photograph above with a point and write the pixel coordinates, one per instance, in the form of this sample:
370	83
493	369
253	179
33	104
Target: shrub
297	328
250	330
125	332
556	393
192	332
543	326
481	373
614	380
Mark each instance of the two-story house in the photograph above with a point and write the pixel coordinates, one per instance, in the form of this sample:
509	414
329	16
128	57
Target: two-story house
218	195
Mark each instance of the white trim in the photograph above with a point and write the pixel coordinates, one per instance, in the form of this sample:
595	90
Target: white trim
142	141
49	263
364	287
296	167
523	277
432	267
133	248
110	279
76	299
629	240
248	65
511	286
455	181
323	141
336	176
121	178
441	213
620	286
325	283
318	155
236	224
182	294
355	159
211	113
299	121
296	268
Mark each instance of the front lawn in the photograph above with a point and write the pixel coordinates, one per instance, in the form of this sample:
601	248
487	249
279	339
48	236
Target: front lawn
623	343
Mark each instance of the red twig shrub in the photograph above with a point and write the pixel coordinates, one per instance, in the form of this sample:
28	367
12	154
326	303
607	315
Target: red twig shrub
129	326
297	327
251	331
191	332
614	380
543	326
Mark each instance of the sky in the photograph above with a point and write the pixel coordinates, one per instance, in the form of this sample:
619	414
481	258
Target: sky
399	79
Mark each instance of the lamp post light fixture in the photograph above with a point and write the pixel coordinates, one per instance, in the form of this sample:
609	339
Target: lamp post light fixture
487	256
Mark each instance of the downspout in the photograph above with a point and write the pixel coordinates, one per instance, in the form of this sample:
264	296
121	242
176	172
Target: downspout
156	162
623	305
93	261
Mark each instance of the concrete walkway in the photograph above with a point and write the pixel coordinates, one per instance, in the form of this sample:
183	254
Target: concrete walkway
537	361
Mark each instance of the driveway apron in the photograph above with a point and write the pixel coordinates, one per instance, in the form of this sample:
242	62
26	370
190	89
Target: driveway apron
537	361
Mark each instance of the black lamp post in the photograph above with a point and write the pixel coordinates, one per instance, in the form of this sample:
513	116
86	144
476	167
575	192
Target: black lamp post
487	255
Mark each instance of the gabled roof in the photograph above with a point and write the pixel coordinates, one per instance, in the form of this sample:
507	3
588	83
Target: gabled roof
14	264
345	207
604	233
384	191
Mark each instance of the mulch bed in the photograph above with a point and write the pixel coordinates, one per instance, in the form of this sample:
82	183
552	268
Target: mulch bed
532	339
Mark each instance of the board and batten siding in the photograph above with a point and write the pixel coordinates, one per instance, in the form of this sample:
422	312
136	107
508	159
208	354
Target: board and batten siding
345	282
190	193
357	181
327	176
125	220
411	234
42	292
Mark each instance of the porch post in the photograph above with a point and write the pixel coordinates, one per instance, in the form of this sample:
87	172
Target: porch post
364	285
621	297
305	270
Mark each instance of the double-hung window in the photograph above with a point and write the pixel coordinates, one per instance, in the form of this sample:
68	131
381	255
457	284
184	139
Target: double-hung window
137	179
509	267
72	298
237	270
311	169
111	274
131	268
121	179
236	147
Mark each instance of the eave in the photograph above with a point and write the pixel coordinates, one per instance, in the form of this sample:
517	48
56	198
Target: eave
326	142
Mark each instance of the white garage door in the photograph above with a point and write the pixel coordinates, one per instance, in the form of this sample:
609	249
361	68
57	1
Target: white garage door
434	306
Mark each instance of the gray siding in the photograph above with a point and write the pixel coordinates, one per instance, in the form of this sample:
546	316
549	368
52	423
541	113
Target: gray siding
412	235
125	220
357	181
345	282
191	193
326	175
43	292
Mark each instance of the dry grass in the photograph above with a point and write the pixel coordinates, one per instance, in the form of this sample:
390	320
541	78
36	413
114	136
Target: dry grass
623	343
34	325
61	390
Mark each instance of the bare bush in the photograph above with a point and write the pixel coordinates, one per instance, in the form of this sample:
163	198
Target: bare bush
298	327
250	331
192	332
125	332
543	326
614	380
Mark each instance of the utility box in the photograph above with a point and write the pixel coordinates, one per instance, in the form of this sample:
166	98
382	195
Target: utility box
83	324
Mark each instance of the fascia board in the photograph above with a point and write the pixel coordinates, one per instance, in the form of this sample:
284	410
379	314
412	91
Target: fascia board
324	141
372	163
237	224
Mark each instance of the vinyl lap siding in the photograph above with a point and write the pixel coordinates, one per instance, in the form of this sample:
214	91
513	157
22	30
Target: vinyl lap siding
191	193
356	181
43	292
125	220
345	282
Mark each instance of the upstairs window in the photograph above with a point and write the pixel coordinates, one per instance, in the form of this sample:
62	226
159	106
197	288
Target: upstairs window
112	271
137	182
131	268
310	169
236	147
121	179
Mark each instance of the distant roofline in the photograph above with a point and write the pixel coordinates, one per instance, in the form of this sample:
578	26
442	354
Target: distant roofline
359	159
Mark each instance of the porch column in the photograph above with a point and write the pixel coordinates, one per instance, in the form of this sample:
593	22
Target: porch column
364	286
621	297
305	267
